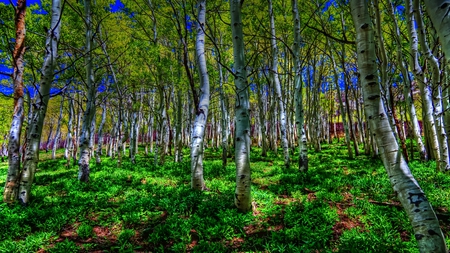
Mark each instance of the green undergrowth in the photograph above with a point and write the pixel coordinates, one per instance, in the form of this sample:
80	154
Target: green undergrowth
339	205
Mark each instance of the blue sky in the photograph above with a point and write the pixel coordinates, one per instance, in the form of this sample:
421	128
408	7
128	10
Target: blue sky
29	2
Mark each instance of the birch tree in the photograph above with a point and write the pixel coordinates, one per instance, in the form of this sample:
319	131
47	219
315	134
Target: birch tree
41	104
198	130
89	111
299	112
419	210
242	195
12	179
277	84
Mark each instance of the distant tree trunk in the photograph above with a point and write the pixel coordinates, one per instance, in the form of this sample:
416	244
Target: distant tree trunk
89	111
198	131
179	128
242	195
224	121
410	107
438	12
40	106
69	143
58	129
12	179
427	104
298	95
98	154
277	84
423	219
262	102
49	136
341	107
436	87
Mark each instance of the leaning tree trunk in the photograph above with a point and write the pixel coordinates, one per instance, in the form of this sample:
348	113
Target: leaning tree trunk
89	112
198	131
277	84
424	221
427	104
410	107
40	106
242	195
12	179
298	97
438	10
436	87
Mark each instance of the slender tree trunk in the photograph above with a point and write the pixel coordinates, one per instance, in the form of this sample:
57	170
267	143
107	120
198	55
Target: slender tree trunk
420	212
198	131
341	107
89	112
224	119
242	195
410	107
277	84
12	179
427	104
100	135
40	106
58	129
434	63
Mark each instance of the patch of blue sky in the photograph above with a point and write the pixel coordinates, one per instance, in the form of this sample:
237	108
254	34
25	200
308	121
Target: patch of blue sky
29	2
5	69
6	90
117	6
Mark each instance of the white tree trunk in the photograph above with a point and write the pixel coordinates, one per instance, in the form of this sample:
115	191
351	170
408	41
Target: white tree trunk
198	130
12	179
89	111
40	106
298	95
423	219
434	63
242	195
277	84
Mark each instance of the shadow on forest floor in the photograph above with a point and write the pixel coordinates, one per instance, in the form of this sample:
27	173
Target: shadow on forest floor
339	205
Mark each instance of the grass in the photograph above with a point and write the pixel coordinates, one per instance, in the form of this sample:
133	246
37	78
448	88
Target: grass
339	205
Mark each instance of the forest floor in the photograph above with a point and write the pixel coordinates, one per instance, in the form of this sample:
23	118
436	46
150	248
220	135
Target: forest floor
339	205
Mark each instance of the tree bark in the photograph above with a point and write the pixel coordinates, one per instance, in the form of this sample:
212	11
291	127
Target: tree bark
12	179
298	95
89	112
278	92
242	195
40	106
420	212
201	117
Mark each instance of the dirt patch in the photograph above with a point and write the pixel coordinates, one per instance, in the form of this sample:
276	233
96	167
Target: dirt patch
344	222
234	243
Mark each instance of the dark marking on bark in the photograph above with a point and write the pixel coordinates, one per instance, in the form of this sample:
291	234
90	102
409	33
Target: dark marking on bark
242	177
417	198
432	232
416	210
419	237
444	6
374	97
370	77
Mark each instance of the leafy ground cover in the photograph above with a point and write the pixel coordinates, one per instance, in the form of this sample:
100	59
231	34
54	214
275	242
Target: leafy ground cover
339	205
